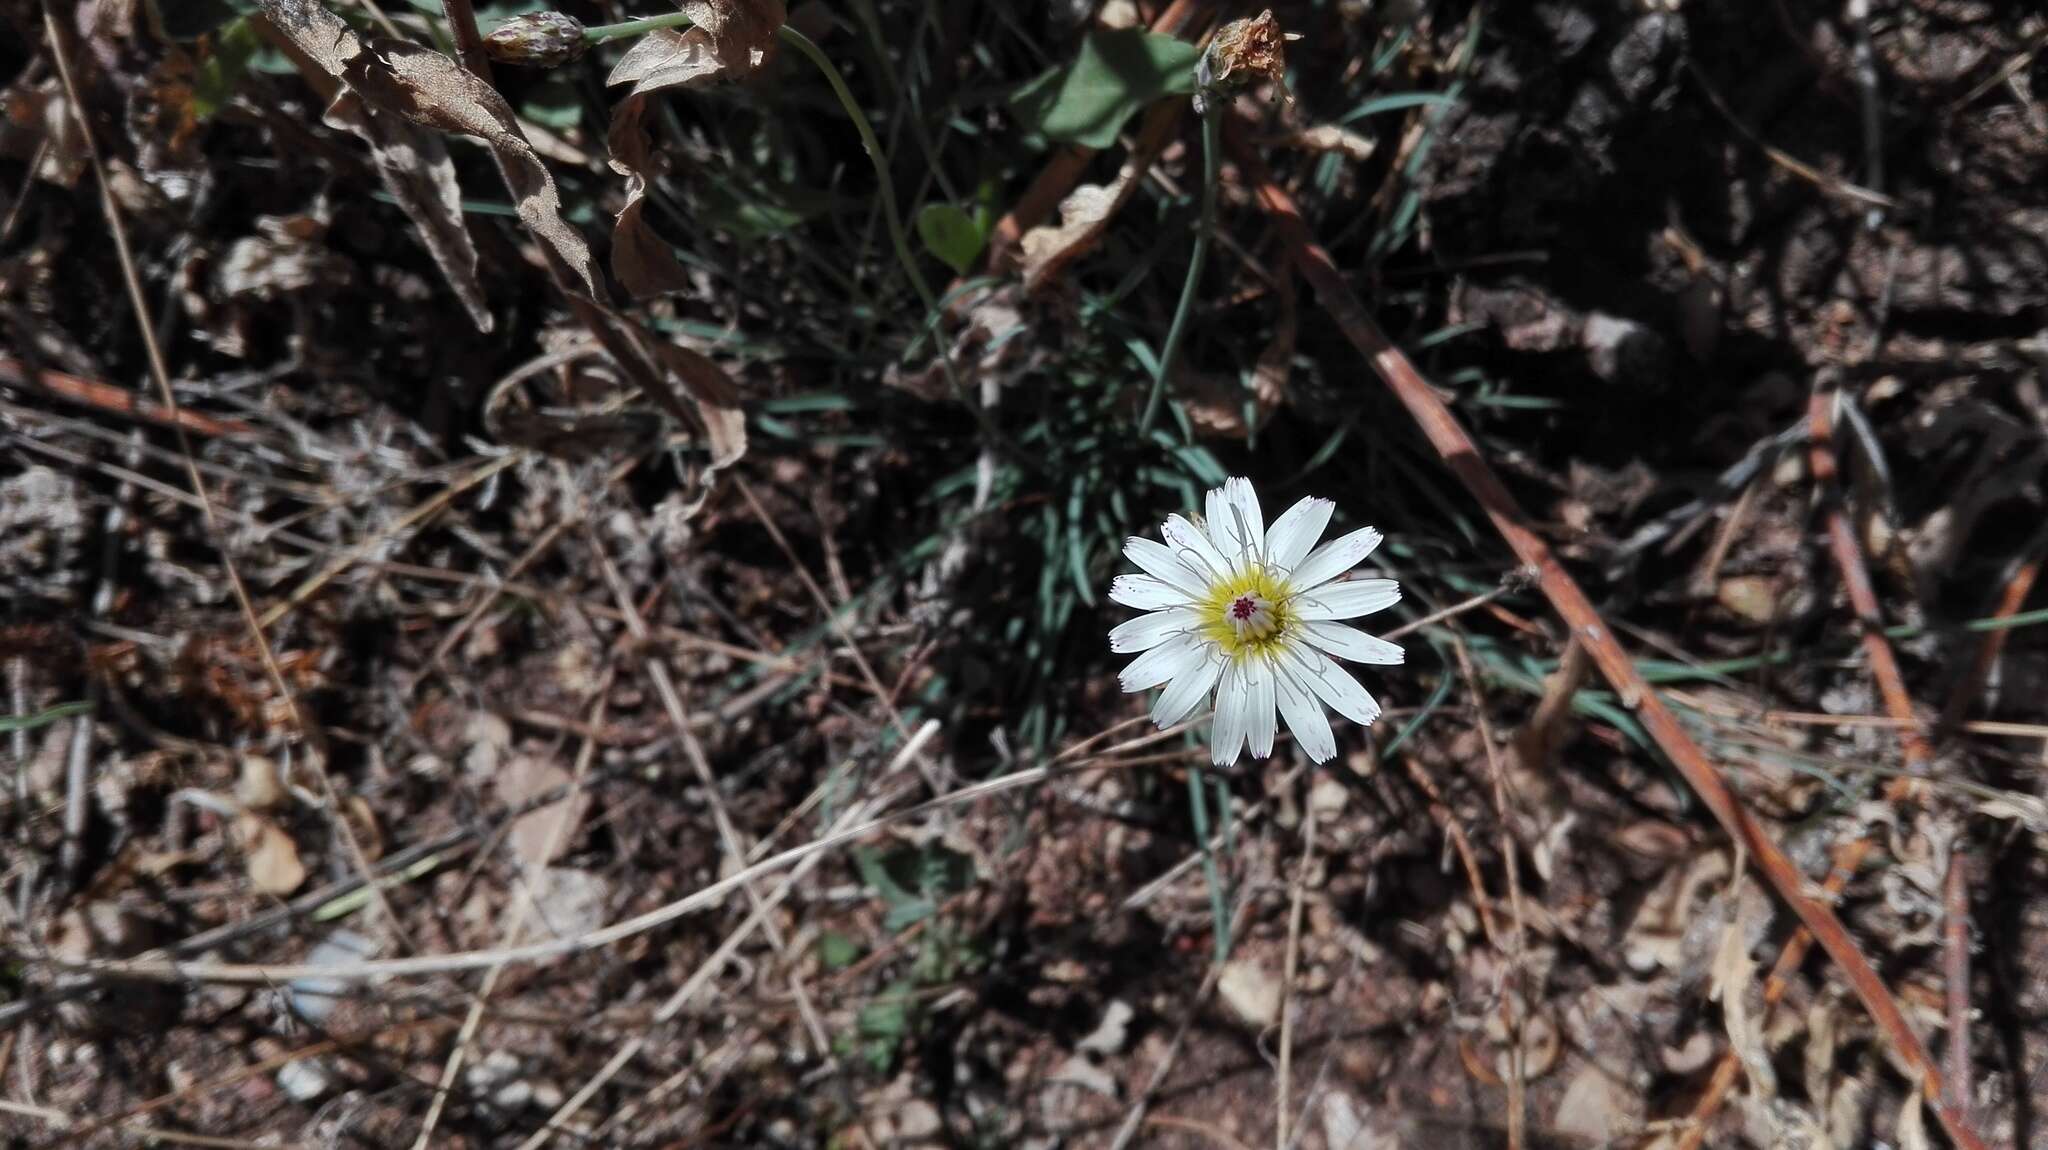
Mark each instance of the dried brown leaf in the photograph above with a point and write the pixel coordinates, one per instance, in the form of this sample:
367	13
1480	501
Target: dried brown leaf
415	168
270	856
431	89
644	262
258	786
742	30
985	352
1084	216
668	58
1734	973
1330	138
729	41
718	400
540	836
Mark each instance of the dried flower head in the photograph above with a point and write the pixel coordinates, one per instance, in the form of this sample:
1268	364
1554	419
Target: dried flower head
537	39
1242	53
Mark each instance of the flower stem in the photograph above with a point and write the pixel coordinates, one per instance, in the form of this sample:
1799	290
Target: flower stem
886	188
1198	807
1196	259
603	32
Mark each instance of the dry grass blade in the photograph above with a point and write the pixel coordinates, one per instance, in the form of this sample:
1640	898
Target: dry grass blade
1461	454
702	899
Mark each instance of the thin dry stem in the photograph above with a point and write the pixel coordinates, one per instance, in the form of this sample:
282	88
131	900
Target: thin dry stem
60	50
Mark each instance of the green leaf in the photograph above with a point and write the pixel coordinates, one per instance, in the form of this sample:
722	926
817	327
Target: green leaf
950	234
36	719
215	80
1117	72
837	951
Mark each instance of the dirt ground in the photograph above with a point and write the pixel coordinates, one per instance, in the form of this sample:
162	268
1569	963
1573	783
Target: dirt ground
538	682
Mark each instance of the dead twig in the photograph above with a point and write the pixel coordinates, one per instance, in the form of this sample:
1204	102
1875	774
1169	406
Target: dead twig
117	401
1956	977
1461	454
1849	562
2011	598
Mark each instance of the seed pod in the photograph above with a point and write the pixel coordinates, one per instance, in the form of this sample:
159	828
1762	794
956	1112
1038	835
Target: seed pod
1243	53
537	39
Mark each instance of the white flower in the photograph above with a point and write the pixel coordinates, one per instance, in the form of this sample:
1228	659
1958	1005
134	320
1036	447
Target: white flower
1252	613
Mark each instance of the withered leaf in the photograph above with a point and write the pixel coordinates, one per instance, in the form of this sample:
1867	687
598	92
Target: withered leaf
1330	138
541	835
743	31
1084	215
643	261
415	168
718	400
269	855
668	58
730	39
431	89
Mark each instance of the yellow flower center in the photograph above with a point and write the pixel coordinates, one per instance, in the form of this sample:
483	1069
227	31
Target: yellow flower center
1247	613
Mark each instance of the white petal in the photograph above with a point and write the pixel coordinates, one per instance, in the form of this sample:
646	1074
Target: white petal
1187	690
1260	726
1146	593
1343	642
1304	716
1234	519
1233	712
1296	531
1194	548
1347	600
1160	562
1333	685
1148	631
1169	659
1336	557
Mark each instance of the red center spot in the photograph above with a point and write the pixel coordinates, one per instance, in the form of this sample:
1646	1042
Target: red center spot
1244	608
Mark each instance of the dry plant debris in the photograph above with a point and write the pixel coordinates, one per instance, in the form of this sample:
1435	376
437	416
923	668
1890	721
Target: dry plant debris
677	708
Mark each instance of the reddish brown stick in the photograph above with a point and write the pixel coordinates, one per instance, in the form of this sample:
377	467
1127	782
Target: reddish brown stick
118	400
2010	600
1461	455
1884	665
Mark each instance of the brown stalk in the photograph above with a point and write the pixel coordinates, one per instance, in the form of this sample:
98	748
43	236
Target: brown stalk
2010	599
1462	456
119	401
1848	553
1955	930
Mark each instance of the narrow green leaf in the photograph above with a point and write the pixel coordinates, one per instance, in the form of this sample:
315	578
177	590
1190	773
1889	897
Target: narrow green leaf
30	722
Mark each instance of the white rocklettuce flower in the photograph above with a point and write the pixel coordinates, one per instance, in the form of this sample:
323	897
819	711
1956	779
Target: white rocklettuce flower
1253	613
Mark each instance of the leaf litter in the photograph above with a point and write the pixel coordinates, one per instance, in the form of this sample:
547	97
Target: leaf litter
1449	167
